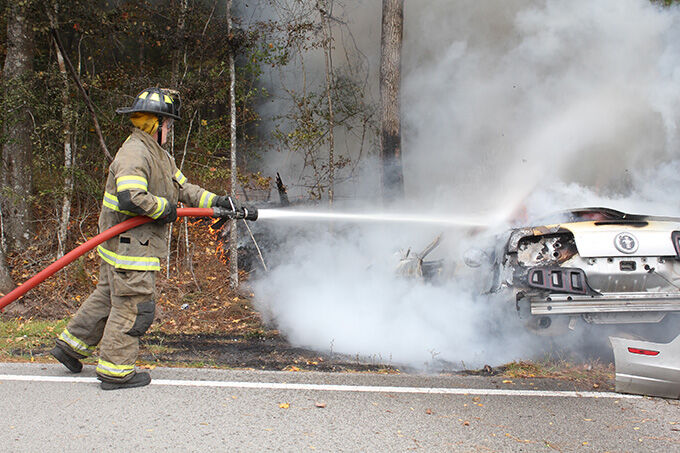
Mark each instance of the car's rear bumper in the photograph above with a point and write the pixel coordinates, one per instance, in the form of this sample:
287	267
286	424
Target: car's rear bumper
640	372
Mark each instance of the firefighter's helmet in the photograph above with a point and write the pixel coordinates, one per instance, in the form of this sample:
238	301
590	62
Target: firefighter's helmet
159	101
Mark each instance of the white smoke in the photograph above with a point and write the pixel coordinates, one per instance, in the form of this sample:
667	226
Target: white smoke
538	105
507	100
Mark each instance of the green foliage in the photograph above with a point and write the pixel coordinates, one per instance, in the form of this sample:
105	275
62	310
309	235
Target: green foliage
21	336
305	129
118	48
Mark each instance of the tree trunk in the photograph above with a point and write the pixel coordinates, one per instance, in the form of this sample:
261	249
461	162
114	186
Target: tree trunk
390	81
17	150
177	53
69	156
86	98
6	283
327	47
233	233
173	84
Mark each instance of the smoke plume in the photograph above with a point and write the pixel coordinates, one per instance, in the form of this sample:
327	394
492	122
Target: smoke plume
518	106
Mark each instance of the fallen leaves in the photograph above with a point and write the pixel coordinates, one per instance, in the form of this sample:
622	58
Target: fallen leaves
284	405
517	439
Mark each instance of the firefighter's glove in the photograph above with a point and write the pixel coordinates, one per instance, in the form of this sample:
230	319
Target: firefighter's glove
169	214
228	203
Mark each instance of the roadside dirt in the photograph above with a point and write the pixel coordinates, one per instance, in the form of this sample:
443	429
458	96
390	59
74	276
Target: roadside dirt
266	352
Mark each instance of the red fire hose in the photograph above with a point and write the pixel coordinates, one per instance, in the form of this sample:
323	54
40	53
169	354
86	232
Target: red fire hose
89	245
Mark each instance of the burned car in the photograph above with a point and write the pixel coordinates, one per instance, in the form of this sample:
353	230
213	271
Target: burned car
595	265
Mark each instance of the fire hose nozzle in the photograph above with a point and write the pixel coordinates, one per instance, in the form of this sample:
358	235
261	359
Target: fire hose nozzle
250	213
246	212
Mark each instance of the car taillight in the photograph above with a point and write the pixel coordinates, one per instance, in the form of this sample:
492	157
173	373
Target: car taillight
569	280
675	237
642	351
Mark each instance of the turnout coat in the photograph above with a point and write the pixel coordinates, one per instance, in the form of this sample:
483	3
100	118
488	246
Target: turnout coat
143	180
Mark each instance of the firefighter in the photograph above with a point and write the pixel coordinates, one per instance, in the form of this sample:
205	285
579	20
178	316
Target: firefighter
142	180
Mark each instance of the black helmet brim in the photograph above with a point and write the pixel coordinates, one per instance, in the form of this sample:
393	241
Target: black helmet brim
156	101
127	110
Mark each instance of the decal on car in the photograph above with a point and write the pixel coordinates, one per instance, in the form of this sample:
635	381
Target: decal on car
626	243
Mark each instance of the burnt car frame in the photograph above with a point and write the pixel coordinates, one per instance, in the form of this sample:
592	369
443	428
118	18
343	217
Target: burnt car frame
595	265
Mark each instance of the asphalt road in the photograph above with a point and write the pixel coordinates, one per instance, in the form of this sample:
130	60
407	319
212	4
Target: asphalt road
48	409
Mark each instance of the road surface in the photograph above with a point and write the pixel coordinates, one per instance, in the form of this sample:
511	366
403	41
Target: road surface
46	409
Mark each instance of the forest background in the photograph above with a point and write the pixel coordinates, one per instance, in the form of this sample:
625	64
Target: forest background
69	65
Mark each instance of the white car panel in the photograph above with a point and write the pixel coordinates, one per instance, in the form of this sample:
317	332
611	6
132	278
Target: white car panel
651	375
593	240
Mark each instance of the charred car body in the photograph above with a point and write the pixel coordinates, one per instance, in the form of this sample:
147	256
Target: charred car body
597	265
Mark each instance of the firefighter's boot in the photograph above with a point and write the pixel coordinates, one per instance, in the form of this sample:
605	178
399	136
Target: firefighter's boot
138	380
69	362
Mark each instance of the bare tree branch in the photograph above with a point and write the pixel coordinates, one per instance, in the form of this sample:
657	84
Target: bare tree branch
88	102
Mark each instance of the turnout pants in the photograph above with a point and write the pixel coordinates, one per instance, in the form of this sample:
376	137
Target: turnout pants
115	315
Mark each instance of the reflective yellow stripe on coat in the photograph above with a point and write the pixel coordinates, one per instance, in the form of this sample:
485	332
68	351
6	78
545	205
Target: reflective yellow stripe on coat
179	176
133	263
161	204
206	199
111	202
113	370
131	182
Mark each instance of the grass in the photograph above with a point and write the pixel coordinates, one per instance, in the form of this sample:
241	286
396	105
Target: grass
255	334
157	349
594	371
20	337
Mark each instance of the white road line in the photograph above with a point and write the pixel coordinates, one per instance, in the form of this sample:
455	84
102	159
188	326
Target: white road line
333	388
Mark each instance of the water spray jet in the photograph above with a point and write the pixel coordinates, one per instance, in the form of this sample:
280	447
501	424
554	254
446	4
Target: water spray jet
298	215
